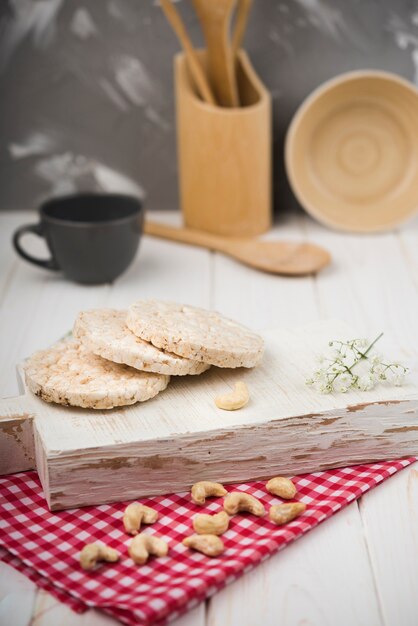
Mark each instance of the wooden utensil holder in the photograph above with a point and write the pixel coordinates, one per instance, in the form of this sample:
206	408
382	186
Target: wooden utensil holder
224	155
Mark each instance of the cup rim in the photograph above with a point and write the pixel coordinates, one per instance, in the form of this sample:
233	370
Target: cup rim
91	224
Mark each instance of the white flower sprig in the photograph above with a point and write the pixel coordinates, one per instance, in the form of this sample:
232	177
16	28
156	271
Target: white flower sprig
336	369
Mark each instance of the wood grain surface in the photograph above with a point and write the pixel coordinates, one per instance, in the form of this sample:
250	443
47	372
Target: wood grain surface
225	156
358	568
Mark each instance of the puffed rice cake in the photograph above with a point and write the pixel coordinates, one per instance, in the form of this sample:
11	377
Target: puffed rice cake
66	373
104	332
195	333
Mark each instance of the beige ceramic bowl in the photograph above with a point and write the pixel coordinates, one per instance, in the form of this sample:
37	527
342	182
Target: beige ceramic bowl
352	151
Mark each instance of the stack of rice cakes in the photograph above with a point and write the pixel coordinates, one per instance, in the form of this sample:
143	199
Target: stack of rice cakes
117	358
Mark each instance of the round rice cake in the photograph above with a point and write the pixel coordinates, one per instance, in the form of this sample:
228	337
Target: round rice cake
195	333
66	373
104	332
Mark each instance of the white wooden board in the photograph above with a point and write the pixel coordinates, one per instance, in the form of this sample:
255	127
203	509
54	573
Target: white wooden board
166	444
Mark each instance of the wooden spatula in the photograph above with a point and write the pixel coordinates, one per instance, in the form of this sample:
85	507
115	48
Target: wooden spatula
194	66
276	257
243	12
215	18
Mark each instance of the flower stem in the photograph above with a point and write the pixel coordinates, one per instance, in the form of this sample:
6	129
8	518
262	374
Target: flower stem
364	354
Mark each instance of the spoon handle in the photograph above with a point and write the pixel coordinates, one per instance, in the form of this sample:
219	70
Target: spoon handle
243	12
215	18
184	235
195	68
277	257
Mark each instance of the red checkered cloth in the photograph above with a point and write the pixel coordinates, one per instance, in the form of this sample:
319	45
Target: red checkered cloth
45	546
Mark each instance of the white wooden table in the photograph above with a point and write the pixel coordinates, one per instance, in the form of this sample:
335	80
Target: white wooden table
359	567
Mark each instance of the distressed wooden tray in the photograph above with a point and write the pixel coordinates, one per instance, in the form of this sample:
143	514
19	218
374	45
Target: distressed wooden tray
88	457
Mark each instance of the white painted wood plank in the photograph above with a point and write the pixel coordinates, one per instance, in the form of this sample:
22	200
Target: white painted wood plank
262	300
408	241
380	288
369	286
324	578
8	258
40	306
17	597
166	271
390	518
307	583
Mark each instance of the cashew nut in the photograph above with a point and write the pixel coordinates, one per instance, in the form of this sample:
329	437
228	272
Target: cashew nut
235	399
143	545
216	524
204	489
94	552
211	545
136	514
238	501
283	513
282	487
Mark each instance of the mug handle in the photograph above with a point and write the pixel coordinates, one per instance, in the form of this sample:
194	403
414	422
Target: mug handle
36	229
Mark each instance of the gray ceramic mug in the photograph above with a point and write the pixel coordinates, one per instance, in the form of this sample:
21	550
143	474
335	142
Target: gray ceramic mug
92	238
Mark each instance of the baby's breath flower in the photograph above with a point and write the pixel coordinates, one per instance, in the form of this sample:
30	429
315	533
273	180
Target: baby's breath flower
342	383
336	368
366	382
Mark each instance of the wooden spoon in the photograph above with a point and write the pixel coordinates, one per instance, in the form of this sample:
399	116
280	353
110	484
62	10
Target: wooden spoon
196	70
277	257
243	12
215	18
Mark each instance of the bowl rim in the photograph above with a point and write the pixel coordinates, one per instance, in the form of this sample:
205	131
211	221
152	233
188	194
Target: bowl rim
305	105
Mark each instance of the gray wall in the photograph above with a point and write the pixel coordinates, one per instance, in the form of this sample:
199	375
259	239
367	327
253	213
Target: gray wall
86	93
